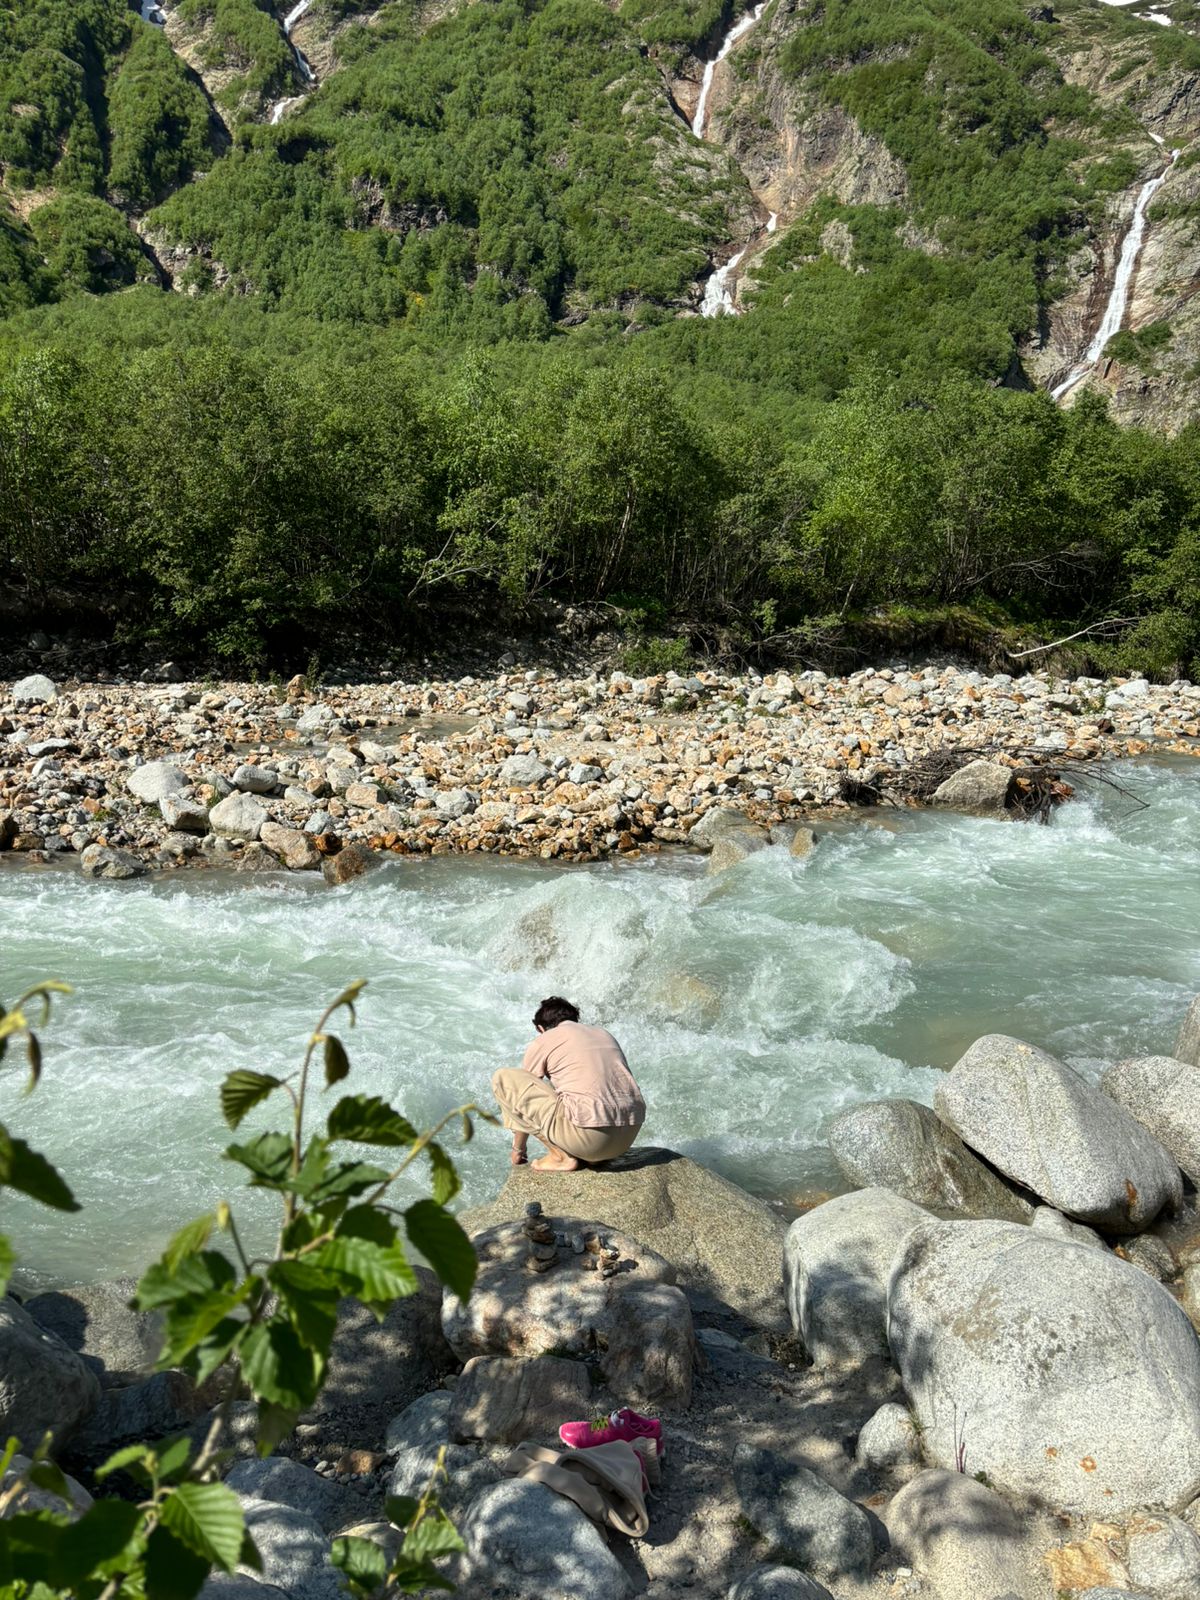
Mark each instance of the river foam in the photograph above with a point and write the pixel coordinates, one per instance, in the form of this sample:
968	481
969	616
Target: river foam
752	1005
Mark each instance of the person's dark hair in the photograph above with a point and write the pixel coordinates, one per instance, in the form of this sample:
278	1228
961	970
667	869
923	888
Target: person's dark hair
553	1011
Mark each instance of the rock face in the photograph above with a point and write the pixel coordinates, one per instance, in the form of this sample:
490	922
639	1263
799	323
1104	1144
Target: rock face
524	1539
1187	1045
162	1404
722	822
506	1401
1041	1124
292	845
981	787
31	1498
801	1517
901	1145
962	1537
350	862
96	1322
724	1244
837	1258
44	1385
1061	1371
1164	1096
238	816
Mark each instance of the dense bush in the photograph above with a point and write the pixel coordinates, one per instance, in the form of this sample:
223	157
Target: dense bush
158	120
87	244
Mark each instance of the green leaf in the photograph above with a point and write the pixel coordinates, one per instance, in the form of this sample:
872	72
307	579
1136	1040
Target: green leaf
174	1571
440	1239
310	1298
435	1535
363	1562
49	1477
190	1239
33	1050
100	1535
173	1457
400	1509
369	1120
215	1347
349	996
274	1425
344	1181
207	1517
198	1274
269	1158
445	1179
417	1577
243	1090
337	1062
123	1458
279	1368
8	1260
25	1170
368	1254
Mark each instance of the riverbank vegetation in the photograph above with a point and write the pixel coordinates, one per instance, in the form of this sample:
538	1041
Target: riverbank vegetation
430	346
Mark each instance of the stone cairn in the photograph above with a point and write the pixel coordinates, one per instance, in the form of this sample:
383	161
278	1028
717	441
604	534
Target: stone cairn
594	1251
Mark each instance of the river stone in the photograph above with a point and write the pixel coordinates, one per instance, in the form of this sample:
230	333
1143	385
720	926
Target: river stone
1164	1557
721	822
981	787
778	1583
183	813
800	1517
732	848
1187	1045
101	861
522	772
889	1439
44	1385
238	816
294	848
1065	1373
1164	1096
35	690
151	782
294	1550
901	1145
351	861
966	1541
251	779
32	1499
837	1258
724	1244
97	1322
288	1483
162	1404
651	1348
523	1539
1044	1126
416	1436
497	1398
1047	1220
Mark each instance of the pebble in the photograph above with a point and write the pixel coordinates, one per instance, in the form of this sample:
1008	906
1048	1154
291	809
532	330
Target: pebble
611	766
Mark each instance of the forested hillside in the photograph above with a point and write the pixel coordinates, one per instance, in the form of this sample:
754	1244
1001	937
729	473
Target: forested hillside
321	314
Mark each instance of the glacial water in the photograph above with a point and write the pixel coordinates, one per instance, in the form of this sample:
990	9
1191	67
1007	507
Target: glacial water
752	1005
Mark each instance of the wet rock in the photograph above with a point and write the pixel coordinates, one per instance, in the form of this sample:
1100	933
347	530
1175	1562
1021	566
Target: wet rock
1164	1096
44	1385
1061	1371
416	1436
800	1517
796	839
902	1146
889	1439
182	812
504	1400
778	1583
980	787
720	822
724	1245
732	848
1187	1045
35	690
524	1539
351	861
96	1321
294	1550
1164	1557
837	1258
962	1538
100	861
1043	1125
256	858
155	780
288	1483
293	847
238	816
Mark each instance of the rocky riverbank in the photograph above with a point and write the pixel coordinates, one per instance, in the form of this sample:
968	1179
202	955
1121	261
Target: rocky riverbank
132	778
976	1377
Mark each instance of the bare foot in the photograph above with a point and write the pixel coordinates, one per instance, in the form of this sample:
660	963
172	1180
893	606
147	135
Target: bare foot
556	1164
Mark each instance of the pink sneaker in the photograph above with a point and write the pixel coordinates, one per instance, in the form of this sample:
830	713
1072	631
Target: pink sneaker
624	1424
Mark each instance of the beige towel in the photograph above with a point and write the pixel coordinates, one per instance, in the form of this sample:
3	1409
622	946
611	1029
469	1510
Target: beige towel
605	1481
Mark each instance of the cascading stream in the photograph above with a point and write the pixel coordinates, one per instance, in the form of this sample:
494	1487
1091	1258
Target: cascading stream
281	107
1123	279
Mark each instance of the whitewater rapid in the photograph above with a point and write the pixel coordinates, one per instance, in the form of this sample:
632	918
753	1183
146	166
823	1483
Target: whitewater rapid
753	1006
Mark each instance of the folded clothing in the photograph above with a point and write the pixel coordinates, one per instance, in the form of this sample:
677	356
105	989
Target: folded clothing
607	1481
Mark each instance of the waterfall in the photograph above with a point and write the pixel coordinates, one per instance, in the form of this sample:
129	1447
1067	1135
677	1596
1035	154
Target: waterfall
718	295
281	107
731	38
1118	299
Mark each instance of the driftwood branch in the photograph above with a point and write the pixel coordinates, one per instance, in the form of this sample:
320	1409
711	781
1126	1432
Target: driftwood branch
1094	627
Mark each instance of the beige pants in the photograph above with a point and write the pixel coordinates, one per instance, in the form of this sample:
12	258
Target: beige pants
530	1105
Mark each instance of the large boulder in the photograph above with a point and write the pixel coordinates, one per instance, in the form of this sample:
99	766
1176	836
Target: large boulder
733	847
504	1400
981	787
1044	1126
289	1483
964	1540
414	1440
44	1385
30	1498
1058	1370
294	1550
724	1244
523	1539
800	1517
102	861
162	1404
778	1583
1187	1044
152	782
721	822
650	1348
837	1258
901	1145
238	816
522	772
1164	1095
35	690
96	1320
